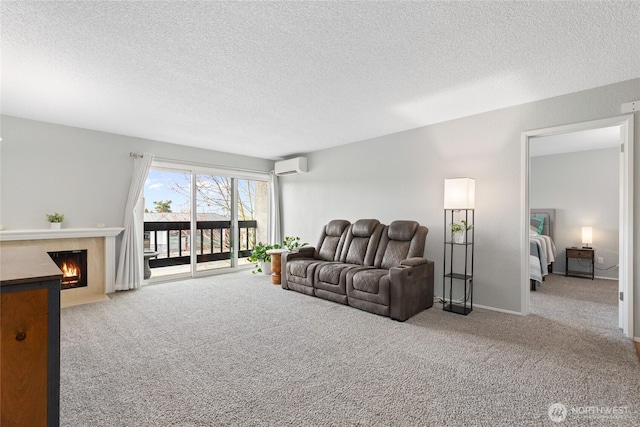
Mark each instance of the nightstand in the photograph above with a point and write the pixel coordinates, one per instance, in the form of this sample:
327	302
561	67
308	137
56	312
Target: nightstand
579	253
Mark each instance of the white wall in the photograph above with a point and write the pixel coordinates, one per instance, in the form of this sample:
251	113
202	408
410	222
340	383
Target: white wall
583	187
82	173
401	176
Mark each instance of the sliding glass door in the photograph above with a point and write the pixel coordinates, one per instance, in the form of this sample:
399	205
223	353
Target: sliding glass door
213	203
201	221
167	219
252	208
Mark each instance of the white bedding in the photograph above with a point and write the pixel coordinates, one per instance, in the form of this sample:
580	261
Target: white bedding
547	250
534	269
542	249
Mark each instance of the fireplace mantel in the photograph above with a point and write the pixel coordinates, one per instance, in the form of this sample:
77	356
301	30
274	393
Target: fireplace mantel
64	233
103	244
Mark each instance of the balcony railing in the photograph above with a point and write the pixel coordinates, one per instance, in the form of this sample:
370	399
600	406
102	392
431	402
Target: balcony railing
213	239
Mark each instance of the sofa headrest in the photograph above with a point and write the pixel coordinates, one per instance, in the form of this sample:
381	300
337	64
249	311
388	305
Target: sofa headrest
402	230
336	227
364	227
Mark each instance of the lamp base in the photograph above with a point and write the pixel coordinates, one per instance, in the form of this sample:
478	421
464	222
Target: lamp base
586	247
457	308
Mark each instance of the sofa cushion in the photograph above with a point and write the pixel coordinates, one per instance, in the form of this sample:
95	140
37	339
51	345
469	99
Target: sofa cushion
299	267
330	281
395	252
357	250
329	246
402	230
364	227
400	240
330	273
371	285
333	276
367	281
306	270
327	251
361	242
336	227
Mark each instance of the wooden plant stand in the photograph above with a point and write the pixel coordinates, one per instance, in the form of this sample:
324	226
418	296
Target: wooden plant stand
276	265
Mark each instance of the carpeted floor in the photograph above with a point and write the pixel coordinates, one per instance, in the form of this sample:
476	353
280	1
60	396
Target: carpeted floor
236	350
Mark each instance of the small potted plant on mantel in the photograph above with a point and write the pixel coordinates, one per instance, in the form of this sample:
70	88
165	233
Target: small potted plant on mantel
458	231
55	220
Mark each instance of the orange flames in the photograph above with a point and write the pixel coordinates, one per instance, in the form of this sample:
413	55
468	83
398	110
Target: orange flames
70	270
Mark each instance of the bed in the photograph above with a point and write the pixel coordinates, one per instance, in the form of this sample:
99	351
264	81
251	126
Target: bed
542	250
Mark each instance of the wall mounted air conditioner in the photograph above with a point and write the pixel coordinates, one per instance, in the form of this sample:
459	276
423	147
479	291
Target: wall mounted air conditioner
291	166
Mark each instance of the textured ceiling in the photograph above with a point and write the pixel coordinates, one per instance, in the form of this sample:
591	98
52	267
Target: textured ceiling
273	79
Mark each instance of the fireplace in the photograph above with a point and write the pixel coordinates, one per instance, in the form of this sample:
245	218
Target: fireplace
100	244
73	265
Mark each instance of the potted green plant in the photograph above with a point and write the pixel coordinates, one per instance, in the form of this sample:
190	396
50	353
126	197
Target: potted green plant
458	230
291	243
261	258
55	219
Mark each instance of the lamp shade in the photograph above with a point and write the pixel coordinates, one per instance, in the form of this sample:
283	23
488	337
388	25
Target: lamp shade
587	235
460	193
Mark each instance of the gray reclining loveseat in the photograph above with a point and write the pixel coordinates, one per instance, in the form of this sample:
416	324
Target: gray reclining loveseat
368	265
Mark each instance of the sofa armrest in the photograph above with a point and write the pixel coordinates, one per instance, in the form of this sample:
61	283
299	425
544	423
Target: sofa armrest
413	262
304	252
410	288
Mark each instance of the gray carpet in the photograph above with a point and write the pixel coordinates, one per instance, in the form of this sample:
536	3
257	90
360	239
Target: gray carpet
236	350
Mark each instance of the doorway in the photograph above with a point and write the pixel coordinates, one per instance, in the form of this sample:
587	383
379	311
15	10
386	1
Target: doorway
201	221
625	124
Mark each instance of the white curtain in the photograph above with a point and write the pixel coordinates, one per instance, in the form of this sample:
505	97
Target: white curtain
129	275
275	235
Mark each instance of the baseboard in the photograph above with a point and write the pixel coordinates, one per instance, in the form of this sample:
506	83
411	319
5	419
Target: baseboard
436	300
186	276
486	307
607	278
561	273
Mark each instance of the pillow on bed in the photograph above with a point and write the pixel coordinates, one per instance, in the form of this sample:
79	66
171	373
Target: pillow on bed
538	223
533	231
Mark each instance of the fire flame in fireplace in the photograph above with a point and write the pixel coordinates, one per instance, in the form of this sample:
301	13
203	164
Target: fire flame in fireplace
70	270
73	266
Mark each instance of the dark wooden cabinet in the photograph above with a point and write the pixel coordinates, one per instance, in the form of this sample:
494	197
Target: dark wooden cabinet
30	338
586	254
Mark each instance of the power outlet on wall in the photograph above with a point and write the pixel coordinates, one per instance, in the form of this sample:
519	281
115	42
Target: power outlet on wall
600	260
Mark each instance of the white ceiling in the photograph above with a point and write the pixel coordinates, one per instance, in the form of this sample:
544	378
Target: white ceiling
273	79
594	139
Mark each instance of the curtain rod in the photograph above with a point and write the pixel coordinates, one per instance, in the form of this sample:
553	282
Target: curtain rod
206	165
